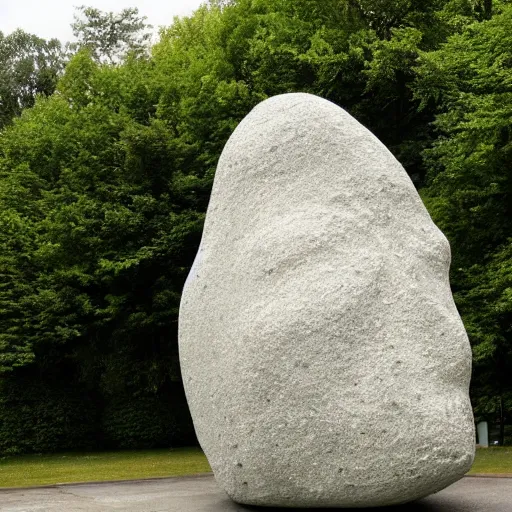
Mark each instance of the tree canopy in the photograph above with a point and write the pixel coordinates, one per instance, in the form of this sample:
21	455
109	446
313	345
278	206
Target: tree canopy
106	174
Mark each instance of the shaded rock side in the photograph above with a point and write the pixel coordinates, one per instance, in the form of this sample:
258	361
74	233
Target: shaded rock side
323	358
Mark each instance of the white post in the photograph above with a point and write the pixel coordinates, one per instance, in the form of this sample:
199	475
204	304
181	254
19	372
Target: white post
483	434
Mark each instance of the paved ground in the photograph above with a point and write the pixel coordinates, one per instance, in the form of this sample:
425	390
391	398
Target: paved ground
200	494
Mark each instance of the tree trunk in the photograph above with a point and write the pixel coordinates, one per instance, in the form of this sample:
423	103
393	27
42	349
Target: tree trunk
488	9
502	422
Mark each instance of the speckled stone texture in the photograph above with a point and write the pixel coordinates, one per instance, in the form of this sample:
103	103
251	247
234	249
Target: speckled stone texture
323	358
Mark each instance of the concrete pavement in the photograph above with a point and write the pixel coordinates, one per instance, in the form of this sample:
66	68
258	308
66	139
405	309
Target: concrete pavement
201	494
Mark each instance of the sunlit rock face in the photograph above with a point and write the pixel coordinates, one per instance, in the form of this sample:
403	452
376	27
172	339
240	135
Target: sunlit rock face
323	358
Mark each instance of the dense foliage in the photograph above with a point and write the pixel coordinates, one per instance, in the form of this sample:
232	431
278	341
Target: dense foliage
469	192
104	185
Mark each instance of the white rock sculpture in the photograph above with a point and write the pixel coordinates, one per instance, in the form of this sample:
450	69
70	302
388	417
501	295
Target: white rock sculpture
323	358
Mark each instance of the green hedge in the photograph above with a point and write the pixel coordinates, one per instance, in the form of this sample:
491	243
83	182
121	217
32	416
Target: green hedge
147	422
38	417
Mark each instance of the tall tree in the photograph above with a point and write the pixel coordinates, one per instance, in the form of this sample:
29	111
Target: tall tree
29	66
98	227
111	36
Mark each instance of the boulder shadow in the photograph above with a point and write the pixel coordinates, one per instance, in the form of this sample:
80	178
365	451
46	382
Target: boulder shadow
420	506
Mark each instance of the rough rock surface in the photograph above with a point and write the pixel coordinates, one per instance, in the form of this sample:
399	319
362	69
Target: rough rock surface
323	358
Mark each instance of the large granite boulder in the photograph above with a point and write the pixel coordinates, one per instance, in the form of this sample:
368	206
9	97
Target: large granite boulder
323	358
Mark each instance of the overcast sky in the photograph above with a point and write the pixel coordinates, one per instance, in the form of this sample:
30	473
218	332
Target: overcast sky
52	18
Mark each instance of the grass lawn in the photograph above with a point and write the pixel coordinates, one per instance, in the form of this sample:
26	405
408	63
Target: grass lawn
27	470
493	460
